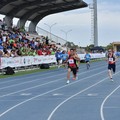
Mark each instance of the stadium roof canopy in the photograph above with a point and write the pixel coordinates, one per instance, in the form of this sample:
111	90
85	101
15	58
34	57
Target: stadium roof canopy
35	10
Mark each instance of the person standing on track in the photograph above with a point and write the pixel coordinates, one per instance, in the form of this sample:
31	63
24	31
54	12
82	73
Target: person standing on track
58	57
87	59
64	58
111	63
72	66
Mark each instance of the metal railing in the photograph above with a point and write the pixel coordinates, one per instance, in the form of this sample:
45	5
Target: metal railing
51	36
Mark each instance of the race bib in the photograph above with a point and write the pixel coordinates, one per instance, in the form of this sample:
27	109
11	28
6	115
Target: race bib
71	61
110	59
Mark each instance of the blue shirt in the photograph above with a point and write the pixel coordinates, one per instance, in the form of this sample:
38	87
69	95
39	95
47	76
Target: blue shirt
58	55
1	47
87	57
64	56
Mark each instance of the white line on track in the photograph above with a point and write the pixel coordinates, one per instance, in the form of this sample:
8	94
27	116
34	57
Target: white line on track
38	75
44	78
38	86
102	105
30	81
56	108
29	88
26	77
15	106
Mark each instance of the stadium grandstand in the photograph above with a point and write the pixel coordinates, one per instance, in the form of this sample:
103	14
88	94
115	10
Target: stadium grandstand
33	43
15	41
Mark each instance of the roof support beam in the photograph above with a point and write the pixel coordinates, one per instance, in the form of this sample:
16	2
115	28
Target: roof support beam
32	27
8	21
17	9
21	23
3	4
47	8
35	10
39	17
48	12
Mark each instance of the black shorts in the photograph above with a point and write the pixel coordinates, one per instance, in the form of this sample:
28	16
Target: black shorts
74	70
87	61
58	61
112	66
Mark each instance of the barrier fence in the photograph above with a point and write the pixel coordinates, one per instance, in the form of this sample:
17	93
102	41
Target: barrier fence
36	60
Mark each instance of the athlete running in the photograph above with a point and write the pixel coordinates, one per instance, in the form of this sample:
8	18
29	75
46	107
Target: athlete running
87	59
111	63
72	66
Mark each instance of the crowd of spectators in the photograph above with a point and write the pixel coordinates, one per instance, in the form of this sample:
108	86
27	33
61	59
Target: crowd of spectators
16	42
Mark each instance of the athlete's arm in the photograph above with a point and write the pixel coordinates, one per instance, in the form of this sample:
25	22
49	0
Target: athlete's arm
77	58
115	58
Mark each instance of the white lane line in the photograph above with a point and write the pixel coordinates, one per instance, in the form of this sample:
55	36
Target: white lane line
92	94
44	78
25	94
41	85
38	86
56	108
15	106
25	77
29	88
30	81
102	105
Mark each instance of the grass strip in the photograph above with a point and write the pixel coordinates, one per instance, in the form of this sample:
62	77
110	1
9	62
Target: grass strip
25	72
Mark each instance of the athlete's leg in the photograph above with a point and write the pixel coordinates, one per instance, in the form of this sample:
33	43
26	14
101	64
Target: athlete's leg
74	73
87	64
64	64
110	71
68	75
58	62
114	68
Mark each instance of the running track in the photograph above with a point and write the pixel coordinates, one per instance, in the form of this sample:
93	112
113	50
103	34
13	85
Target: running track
46	96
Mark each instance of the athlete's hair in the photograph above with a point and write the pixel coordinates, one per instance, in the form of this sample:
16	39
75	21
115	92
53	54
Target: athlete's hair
71	49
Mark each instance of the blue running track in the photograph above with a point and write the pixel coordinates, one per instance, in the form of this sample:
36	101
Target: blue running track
46	96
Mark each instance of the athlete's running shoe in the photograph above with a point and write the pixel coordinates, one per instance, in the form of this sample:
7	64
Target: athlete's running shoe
76	77
111	79
68	81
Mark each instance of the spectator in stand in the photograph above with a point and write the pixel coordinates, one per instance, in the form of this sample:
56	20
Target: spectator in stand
48	52
1	46
18	52
1	53
24	52
6	54
47	41
52	52
17	43
4	37
39	52
44	51
34	52
13	53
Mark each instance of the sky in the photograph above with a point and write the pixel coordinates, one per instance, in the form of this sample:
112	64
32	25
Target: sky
79	21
